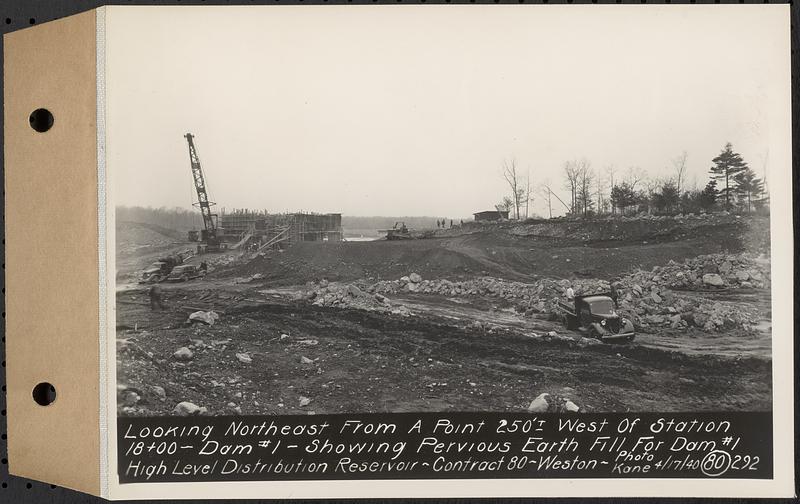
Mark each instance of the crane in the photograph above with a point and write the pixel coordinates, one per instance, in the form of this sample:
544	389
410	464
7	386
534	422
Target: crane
209	233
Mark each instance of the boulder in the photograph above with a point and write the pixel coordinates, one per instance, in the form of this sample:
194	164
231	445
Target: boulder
304	401
183	354
244	358
655	297
186	408
713	280
208	317
414	278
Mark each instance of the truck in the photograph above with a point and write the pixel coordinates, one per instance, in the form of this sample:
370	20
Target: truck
161	268
595	316
184	273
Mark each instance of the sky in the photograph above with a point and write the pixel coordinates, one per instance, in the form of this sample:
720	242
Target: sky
412	110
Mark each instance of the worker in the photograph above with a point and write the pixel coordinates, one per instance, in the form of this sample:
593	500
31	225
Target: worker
614	295
204	266
451	223
156	298
570	293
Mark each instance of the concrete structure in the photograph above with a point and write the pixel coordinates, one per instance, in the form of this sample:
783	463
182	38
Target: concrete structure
491	215
261	228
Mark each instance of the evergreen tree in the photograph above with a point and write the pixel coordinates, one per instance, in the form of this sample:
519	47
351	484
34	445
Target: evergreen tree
623	196
708	196
726	166
749	187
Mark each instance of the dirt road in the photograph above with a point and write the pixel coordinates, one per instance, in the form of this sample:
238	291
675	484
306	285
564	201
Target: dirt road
357	361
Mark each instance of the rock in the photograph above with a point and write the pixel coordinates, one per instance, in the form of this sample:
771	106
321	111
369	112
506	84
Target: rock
415	278
742	276
186	408
589	342
354	291
244	358
304	401
208	317
552	403
284	337
637	289
183	354
656	298
305	360
160	392
713	280
308	342
725	268
539	405
700	319
130	398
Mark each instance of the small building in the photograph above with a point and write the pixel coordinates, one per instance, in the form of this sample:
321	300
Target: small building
491	215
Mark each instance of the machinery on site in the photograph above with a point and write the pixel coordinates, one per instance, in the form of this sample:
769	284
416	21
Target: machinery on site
162	267
594	315
208	239
184	273
398	232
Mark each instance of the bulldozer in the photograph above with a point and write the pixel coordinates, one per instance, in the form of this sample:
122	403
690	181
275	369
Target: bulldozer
398	232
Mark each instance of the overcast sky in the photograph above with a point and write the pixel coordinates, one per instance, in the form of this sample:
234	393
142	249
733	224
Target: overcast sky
411	110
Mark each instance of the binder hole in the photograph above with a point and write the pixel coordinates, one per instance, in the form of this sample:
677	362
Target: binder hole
28	486
5	485
8	20
41	120
44	394
5	461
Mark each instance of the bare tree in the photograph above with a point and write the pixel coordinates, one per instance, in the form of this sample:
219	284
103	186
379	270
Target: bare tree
544	189
585	180
610	171
600	183
635	175
571	175
528	194
679	165
550	193
515	184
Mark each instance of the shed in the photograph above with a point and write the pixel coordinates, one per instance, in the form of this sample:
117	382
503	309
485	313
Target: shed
491	215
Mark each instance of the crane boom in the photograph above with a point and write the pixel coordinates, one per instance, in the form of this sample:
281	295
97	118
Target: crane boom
210	234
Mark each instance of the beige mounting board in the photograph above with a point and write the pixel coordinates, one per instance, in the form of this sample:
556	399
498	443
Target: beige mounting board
52	301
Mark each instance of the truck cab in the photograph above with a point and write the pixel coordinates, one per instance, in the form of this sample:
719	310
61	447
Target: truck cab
184	272
595	315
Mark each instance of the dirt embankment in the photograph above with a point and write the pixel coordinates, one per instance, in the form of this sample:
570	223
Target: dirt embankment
515	251
355	361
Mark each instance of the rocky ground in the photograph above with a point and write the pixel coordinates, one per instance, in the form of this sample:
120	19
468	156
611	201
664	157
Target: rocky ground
461	322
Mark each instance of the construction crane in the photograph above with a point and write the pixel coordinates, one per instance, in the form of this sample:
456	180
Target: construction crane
208	236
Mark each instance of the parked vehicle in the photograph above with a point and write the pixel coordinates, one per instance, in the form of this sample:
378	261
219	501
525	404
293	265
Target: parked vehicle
156	272
184	273
594	315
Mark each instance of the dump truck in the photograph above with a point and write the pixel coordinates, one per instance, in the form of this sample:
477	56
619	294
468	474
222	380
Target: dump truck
161	268
595	316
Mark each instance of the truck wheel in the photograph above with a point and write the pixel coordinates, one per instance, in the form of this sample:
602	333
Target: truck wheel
185	278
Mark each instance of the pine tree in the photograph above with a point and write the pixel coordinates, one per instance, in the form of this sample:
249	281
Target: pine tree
749	187
726	166
708	196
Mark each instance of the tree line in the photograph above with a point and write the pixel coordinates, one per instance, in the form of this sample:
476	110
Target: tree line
732	185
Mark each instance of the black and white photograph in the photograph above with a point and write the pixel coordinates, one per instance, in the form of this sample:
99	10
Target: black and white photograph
562	217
